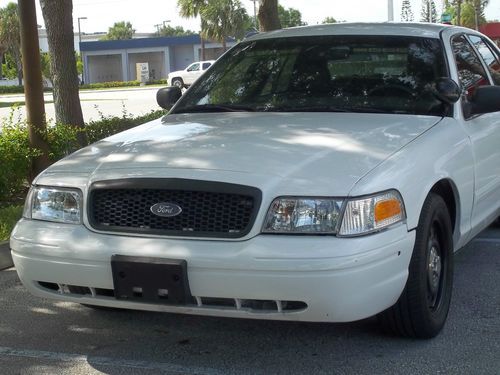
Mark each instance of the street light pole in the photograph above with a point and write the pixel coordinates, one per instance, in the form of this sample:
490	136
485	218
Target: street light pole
79	31
390	10
80	41
255	12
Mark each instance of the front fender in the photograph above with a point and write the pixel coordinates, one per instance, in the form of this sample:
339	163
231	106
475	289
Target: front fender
442	152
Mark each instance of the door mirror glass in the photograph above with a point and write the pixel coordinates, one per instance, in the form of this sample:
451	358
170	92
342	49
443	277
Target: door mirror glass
447	90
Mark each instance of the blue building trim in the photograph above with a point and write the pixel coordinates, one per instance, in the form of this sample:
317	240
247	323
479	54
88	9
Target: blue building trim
104	45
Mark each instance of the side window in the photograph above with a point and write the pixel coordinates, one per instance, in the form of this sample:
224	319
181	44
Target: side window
488	56
206	66
470	70
194	67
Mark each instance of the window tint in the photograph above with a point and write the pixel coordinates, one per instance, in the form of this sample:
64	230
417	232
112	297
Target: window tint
206	66
488	56
470	70
194	67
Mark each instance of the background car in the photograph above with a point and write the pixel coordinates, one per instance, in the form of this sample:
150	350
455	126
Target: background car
186	77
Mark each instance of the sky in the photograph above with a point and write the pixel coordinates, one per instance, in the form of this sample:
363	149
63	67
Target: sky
144	14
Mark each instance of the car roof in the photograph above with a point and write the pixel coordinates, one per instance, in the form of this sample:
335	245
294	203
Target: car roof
429	30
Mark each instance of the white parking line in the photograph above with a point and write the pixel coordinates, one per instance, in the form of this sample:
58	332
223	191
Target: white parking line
106	361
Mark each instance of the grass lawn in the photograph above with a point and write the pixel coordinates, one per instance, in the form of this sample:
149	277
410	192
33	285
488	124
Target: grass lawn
8	217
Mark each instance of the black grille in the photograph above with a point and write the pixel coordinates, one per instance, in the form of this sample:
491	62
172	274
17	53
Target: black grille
209	209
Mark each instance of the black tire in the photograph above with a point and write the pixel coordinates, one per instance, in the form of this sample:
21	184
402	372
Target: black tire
422	308
178	82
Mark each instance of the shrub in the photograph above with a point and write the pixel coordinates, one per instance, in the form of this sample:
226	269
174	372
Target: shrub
15	159
8	218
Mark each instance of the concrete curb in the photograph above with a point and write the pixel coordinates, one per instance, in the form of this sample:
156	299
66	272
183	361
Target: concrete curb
5	257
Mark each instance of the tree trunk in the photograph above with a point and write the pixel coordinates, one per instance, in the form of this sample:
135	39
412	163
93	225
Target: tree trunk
1	65
58	19
268	15
202	48
459	12
224	45
33	87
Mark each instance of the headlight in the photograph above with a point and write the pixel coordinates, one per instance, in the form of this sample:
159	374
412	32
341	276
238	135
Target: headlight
54	204
371	214
303	215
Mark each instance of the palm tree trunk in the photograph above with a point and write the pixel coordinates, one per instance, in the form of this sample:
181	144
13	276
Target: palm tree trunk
268	15
59	24
459	12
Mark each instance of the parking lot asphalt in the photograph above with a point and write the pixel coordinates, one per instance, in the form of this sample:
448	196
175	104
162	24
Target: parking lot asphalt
39	336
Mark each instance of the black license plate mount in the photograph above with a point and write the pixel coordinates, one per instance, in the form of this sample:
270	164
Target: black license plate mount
150	280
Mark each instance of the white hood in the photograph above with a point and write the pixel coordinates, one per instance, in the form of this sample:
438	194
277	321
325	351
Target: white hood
323	153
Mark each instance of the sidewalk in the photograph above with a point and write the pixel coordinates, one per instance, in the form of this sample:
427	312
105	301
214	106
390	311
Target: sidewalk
5	257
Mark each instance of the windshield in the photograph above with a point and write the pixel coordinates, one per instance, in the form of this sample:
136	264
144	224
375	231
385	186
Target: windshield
378	74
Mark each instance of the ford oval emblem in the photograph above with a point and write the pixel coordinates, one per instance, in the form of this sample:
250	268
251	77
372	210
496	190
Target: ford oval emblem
166	209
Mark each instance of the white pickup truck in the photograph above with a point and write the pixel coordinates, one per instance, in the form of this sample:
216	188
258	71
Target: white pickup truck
186	77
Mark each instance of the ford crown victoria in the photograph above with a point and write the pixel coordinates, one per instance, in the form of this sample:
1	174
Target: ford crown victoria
322	174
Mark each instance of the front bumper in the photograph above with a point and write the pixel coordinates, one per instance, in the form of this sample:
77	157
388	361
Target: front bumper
339	279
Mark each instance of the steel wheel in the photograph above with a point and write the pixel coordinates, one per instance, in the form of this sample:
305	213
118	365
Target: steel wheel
422	308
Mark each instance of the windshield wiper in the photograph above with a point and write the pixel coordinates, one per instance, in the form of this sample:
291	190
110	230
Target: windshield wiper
307	109
215	108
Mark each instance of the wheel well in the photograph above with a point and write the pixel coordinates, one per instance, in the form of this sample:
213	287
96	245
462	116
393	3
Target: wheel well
444	188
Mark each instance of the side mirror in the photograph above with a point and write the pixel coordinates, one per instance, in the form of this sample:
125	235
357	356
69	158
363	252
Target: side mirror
168	96
447	90
486	99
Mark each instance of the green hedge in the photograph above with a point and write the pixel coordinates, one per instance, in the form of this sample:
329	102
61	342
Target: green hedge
17	89
91	86
16	154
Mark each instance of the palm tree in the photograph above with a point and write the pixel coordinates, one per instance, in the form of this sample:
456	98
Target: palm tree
10	35
192	9
224	18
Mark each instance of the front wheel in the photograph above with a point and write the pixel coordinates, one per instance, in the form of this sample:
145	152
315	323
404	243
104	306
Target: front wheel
422	308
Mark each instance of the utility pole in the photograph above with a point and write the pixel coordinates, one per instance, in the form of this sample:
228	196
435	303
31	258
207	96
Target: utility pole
33	86
390	10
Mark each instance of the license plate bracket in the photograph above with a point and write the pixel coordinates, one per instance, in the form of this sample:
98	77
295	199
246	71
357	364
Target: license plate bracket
150	280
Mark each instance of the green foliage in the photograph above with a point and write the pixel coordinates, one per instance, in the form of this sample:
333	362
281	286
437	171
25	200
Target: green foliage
429	12
9	68
407	12
168	30
224	18
290	17
10	40
329	20
119	31
8	218
15	159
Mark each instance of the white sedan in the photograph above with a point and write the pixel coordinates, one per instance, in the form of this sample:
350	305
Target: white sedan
324	173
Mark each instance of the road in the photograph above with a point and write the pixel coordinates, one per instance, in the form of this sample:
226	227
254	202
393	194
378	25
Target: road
135	101
39	336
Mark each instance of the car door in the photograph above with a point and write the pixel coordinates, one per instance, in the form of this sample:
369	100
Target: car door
470	54
192	73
